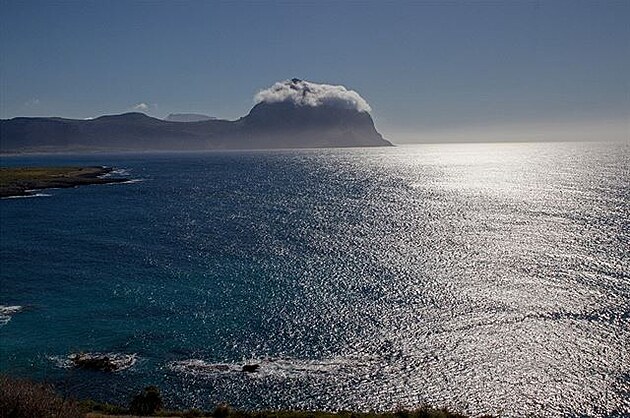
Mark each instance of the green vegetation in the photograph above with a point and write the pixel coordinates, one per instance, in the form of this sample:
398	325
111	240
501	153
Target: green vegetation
21	398
18	181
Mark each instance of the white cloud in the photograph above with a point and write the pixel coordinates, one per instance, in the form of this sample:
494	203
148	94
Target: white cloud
32	102
305	93
142	107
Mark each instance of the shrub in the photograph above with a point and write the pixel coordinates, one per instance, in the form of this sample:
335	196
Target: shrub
21	398
147	402
90	405
221	411
193	413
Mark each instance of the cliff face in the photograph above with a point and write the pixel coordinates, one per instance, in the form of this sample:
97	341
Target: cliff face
268	125
287	124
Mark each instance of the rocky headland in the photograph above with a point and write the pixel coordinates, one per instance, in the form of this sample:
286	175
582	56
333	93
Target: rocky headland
22	181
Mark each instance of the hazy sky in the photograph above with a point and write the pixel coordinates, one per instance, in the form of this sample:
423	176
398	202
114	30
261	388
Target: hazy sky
429	70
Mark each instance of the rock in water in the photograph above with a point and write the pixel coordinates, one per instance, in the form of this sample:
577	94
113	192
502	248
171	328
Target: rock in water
251	368
94	362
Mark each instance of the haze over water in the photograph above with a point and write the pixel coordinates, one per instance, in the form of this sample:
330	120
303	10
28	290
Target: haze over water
485	278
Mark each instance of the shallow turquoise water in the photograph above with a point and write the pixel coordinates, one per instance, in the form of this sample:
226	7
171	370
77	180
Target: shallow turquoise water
485	278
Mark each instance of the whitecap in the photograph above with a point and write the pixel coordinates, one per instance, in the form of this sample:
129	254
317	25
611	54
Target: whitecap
117	172
28	196
197	366
275	367
132	181
6	312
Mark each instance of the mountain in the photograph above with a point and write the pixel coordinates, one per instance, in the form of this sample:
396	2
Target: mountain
268	125
187	117
285	124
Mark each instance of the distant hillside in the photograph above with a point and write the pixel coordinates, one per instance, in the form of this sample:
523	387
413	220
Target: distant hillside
290	114
187	117
273	125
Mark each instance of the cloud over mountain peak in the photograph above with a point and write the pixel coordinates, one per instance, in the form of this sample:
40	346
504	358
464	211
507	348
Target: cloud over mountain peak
306	93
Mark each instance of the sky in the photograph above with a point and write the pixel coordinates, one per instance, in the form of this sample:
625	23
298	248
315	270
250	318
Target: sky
430	71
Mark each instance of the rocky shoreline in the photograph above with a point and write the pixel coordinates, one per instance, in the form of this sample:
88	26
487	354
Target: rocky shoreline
21	181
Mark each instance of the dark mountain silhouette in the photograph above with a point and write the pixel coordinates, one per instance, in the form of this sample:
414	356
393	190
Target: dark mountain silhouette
187	117
268	125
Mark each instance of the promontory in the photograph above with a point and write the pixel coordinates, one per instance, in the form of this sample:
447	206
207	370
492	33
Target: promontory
21	181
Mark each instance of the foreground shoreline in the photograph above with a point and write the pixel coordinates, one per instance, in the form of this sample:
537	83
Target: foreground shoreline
22	181
23	398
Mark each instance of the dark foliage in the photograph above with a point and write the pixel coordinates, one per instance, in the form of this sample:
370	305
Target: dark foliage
147	402
25	399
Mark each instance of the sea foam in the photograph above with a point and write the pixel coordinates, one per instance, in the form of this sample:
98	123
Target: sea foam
6	312
275	367
28	196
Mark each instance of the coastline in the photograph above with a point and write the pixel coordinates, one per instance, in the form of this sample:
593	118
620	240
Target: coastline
23	181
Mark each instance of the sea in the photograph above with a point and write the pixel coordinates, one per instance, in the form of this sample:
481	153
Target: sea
485	278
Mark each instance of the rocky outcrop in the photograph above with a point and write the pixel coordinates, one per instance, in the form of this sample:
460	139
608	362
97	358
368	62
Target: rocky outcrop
251	368
110	362
91	362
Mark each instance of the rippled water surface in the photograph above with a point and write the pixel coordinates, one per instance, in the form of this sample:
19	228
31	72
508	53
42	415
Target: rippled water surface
485	278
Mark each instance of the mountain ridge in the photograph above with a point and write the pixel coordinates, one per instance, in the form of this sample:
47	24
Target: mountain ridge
187	117
266	126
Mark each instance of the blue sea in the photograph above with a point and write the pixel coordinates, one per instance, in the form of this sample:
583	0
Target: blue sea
486	278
